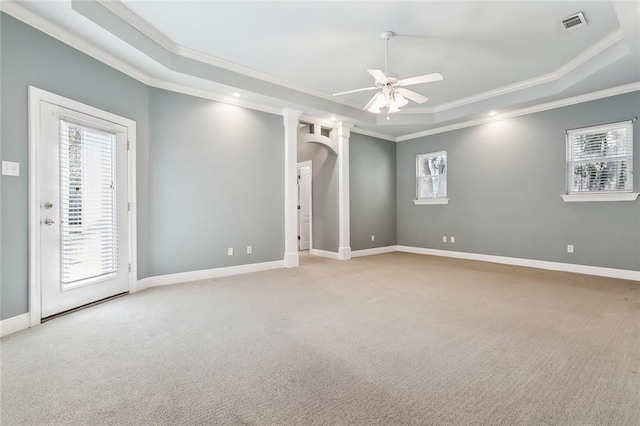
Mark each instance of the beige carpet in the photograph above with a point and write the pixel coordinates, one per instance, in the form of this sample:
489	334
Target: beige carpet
385	340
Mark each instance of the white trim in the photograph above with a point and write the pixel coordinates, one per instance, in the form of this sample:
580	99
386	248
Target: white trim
205	274
14	324
316	138
324	253
614	91
530	263
290	118
586	197
374	251
19	12
128	16
574	63
173	48
205	94
322	121
344	208
35	97
132	198
373	134
35	277
308	163
22	14
434	200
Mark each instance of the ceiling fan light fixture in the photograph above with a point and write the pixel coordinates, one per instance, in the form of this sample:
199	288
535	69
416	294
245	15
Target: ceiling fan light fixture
393	107
374	109
392	95
400	100
381	100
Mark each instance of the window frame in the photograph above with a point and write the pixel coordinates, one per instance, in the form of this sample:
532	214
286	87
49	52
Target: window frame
598	195
431	200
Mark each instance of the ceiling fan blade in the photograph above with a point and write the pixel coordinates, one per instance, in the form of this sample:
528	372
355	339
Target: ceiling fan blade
355	90
379	76
421	79
368	105
413	96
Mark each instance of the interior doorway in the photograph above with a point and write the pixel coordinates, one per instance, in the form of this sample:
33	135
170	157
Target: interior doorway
305	210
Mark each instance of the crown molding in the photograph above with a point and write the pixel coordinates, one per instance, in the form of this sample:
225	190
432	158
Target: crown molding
565	69
128	16
614	91
206	94
364	132
19	12
24	15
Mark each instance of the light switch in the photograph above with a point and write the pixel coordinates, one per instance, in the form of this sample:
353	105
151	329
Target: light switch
10	168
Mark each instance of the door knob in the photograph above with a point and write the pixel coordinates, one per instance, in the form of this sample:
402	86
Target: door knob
48	222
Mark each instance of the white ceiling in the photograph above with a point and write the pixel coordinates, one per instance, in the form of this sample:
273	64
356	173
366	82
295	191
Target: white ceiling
493	55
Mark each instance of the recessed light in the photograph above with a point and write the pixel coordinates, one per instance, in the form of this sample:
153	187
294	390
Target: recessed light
492	113
236	94
333	118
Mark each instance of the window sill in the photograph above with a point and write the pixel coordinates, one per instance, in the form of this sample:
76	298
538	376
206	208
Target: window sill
425	201
576	198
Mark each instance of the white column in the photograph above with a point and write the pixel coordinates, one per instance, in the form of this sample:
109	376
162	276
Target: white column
291	116
344	236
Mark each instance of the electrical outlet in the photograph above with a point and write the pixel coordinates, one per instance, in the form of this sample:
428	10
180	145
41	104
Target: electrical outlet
373	238
570	248
249	249
452	239
444	239
10	168
230	251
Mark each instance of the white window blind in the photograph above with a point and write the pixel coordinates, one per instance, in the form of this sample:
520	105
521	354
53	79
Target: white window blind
600	159
431	175
89	233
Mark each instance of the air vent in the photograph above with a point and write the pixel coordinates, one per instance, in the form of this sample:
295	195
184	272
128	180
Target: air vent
574	21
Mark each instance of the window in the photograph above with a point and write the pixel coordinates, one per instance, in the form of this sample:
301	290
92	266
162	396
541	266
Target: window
89	231
600	163
431	178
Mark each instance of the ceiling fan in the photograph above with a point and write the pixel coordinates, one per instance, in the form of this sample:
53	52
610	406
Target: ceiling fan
392	95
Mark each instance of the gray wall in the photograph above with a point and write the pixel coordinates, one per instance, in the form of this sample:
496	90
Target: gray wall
217	181
505	181
372	190
31	58
212	178
324	194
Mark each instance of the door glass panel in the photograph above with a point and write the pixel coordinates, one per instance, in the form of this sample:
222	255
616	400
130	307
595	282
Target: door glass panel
89	227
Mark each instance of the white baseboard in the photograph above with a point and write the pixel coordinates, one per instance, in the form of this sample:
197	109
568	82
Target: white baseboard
374	251
531	263
184	277
323	253
14	324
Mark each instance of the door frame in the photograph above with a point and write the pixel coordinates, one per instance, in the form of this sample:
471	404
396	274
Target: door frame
36	96
309	164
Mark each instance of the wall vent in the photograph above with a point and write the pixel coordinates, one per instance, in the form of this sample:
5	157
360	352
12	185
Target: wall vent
574	21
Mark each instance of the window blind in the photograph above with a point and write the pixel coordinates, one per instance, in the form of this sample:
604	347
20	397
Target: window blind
89	226
601	158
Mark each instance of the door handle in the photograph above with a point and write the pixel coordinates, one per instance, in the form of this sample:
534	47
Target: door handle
48	222
47	205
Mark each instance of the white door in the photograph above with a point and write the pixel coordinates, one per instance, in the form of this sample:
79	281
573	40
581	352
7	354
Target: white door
304	211
83	209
